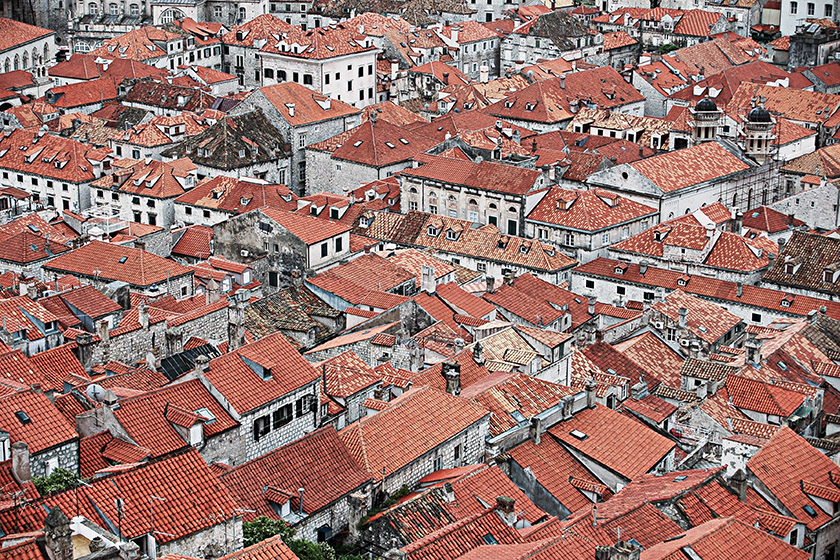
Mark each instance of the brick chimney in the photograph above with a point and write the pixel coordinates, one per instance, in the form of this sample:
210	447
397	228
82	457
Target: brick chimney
452	374
59	540
504	507
21	471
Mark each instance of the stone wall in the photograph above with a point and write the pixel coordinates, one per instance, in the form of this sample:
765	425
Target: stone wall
214	542
67	455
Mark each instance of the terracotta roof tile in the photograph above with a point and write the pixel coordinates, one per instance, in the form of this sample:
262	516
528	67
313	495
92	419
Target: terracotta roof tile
318	462
706	320
377	444
682	168
637	454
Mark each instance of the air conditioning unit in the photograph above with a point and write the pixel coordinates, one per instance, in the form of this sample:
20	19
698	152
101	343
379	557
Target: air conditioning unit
244	252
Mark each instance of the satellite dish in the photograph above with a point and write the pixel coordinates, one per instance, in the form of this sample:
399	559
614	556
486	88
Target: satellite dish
95	392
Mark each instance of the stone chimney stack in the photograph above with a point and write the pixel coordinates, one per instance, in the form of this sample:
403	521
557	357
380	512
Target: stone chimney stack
621	551
459	345
738	482
683	321
84	341
236	321
21	471
427	279
504	507
59	539
491	284
200	364
452	374
212	292
753	346
591	307
143	315
478	354
591	393
297	278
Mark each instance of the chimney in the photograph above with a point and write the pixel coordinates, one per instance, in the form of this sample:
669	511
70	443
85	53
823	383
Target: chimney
738	482
427	279
143	315
58	537
20	462
140	245
291	108
211	292
639	390
504	507
478	354
591	393
739	288
536	429
395	68
200	364
297	278
812	316
753	346
459	345
621	551
452	374
455	33
739	222
683	321
491	284
510	276
591	306
103	330
702	391
84	342
563	81
446	78
643	266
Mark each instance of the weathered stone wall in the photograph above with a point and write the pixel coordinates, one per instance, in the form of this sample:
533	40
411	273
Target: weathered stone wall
67	455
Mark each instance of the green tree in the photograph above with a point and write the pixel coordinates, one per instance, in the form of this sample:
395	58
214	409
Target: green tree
667	47
263	528
57	481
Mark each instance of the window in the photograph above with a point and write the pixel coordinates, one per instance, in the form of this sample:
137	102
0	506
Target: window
671	334
339	244
307	79
438	463
302	140
794	6
756	317
302	406
206	213
590	284
262	426
828	10
648	296
412	205
456	453
605	238
273	279
217	12
481	267
811	8
282	416
569	239
324	250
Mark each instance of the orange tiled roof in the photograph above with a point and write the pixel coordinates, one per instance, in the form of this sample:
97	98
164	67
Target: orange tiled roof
15	33
636	453
401	434
707	320
318	462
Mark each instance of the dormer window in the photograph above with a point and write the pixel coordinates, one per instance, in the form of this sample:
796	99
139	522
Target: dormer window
682	281
787	301
432	231
452	235
620	269
830	276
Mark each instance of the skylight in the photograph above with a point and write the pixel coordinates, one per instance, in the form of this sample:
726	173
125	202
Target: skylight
390	145
33	229
207	414
123	259
680	478
489	539
23	417
357	143
578	435
810	510
404	141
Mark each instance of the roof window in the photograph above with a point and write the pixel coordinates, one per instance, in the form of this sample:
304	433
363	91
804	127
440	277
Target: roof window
810	510
123	259
23	417
577	434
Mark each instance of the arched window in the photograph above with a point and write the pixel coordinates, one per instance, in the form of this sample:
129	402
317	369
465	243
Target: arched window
7	66
134	10
113	9
171	15
281	75
412	190
36	60
93	8
25	60
17	62
735	199
46	58
242	13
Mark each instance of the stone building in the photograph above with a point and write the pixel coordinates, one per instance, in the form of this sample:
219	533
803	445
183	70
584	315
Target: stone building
301	117
36	436
289	241
245	145
282	410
